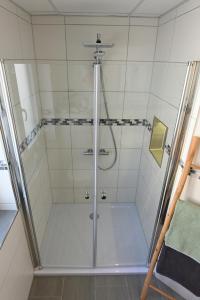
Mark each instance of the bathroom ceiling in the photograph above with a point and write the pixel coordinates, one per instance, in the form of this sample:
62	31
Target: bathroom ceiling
99	7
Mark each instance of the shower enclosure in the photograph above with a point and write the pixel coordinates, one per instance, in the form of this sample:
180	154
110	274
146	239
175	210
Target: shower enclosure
90	191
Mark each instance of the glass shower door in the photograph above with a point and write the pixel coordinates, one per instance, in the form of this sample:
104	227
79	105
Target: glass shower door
53	119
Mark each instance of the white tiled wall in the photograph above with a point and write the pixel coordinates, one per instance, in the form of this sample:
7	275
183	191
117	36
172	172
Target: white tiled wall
16	269
177	43
66	91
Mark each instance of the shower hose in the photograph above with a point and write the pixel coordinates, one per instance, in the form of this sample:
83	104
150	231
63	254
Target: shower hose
110	126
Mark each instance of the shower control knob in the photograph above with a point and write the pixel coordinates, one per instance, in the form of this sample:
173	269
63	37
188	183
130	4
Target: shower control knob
103	196
87	196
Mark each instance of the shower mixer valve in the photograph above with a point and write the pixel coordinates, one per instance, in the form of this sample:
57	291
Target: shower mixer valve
102	151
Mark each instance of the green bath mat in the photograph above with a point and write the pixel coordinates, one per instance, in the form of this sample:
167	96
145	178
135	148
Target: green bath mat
184	231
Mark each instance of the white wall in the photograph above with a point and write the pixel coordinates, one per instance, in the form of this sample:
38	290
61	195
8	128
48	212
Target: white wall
66	92
16	269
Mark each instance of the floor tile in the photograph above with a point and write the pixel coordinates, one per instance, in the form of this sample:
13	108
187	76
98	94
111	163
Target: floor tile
46	286
111	293
110	281
45	298
78	288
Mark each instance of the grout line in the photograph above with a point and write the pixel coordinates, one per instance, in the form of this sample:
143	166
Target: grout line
43	60
62	289
102	25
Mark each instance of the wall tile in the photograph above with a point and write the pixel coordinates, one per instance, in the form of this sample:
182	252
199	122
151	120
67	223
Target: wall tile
49	41
139	21
107	179
135	105
168	17
138	76
81	137
47	20
187	7
80	76
114	75
164	41
127	179
63	195
83	178
25	30
57	137
168	81
132	137
38	182
59	159
85	20
76	35
129	159
185	45
61	178
115	101
81	104
52	76
126	195
55	104
106	138
81	161
10	46
142	41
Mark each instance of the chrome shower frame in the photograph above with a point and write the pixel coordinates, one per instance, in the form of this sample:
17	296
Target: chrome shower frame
17	166
9	133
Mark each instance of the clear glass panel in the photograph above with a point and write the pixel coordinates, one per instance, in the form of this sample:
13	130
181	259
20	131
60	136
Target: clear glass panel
129	191
53	104
55	141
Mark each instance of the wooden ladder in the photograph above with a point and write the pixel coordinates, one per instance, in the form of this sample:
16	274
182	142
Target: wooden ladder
186	170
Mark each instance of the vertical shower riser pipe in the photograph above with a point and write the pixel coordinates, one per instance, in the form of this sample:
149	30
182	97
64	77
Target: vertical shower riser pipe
96	104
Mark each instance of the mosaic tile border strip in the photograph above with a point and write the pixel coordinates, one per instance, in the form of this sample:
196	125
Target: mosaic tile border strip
78	122
103	122
28	140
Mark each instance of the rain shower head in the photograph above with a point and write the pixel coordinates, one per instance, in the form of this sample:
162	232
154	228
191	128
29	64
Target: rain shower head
98	54
98	43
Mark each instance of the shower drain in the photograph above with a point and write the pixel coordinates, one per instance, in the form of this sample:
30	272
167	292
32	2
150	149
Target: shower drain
92	216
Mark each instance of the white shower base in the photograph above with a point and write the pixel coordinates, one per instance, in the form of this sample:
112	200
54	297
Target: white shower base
67	241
